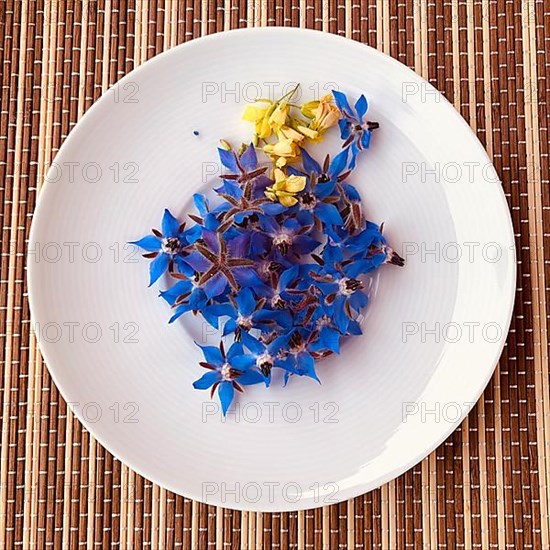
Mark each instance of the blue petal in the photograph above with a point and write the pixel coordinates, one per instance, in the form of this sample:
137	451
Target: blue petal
232	189
338	163
306	365
226	393
272	208
197	261
213	313
149	243
328	213
197	299
253	344
354	328
292	225
228	159
310	164
353	158
230	327
213	355
170	226
303	244
305	217
361	266
287	364
378	259
260	183
323	190
171	294
211	239
193	234
216	285
235	349
201	204
336	234
221	208
361	107
183	268
223	310
179	311
365	139
358	300
211	222
238	246
251	377
249	160
243	362
332	254
158	266
240	216
246	277
207	380
345	128
259	244
279	343
288	276
363	240
329	339
351	192
342	102
341	320
246	302
269	224
282	318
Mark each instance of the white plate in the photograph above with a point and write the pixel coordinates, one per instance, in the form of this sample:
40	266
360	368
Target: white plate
435	329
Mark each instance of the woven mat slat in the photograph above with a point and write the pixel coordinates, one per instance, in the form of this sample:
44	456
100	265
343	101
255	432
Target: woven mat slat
485	487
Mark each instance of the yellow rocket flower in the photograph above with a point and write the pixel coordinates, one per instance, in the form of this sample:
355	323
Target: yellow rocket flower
283	151
285	188
260	115
323	114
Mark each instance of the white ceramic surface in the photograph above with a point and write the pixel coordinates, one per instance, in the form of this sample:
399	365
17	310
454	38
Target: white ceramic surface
434	332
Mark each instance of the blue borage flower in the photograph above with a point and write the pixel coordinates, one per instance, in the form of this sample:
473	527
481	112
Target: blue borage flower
286	282
164	246
353	129
266	355
245	177
226	373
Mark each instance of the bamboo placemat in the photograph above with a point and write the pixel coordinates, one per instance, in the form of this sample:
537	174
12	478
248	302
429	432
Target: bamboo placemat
485	487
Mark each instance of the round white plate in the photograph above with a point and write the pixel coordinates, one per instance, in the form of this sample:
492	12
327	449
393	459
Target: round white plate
435	328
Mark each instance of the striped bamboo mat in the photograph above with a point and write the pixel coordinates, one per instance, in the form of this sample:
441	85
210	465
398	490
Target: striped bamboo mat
485	487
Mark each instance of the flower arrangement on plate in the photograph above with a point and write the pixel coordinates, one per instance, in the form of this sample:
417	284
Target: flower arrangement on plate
278	262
